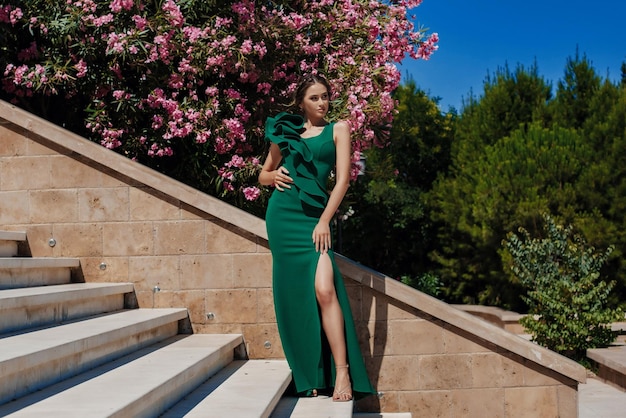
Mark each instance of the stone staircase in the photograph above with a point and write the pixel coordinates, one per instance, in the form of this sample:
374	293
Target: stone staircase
71	349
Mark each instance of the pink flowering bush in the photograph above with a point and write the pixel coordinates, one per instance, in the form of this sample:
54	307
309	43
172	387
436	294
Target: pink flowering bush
185	86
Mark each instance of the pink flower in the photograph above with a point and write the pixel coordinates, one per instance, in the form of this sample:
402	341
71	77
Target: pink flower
428	47
140	22
236	161
117	6
246	47
251	193
173	13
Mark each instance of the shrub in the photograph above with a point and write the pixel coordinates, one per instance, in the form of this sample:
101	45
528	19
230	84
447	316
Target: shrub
427	283
566	297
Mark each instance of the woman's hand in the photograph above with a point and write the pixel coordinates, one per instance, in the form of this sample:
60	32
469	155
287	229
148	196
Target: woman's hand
321	237
281	179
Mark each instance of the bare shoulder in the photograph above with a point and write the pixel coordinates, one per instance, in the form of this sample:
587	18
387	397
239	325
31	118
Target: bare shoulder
341	130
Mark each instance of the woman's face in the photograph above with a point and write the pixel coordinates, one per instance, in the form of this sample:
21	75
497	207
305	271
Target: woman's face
315	102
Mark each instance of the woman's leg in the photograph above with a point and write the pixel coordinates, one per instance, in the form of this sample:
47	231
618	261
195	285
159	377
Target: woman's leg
333	325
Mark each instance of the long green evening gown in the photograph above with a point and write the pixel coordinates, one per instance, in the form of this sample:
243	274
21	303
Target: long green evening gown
291	217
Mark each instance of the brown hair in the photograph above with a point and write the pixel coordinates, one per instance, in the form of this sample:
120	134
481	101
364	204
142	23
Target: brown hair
306	82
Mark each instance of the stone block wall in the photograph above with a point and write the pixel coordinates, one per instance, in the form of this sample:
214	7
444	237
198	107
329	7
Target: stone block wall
181	248
123	231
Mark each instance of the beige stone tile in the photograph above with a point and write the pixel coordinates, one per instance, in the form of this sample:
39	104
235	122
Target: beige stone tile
414	337
355	296
568	401
190	213
232	306
179	237
38	237
455	343
512	370
103	204
262	246
37	146
112	179
262	341
427	404
221	240
399	373
12	142
206	272
535	375
252	270
15	207
25	173
128	239
151	206
445	371
77	240
487	370
66	172
531	402
363	336
377	306
105	269
54	206
204	328
477	403
148	272
145	298
193	300
375	336
265	305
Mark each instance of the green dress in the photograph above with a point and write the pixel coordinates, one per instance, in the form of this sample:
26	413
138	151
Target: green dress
291	217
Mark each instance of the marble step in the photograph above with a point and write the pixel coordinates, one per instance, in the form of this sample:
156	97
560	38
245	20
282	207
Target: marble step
28	307
320	406
142	384
9	241
242	389
27	272
32	360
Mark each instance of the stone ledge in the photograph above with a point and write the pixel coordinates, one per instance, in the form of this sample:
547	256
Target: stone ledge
507	320
462	320
611	364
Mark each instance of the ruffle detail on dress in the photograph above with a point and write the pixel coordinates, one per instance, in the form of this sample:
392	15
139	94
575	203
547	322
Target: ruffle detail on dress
284	130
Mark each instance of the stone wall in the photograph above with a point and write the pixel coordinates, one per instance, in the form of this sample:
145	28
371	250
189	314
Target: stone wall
181	248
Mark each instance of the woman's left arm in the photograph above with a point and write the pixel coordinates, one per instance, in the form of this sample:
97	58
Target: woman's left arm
321	233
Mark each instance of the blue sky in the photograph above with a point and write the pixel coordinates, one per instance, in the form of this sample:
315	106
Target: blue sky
478	36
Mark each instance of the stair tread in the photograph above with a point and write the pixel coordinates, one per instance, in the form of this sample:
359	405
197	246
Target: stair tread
320	406
12	236
15	298
130	382
611	357
38	262
249	388
34	347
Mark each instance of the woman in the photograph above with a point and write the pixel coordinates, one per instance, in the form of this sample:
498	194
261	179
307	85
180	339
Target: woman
312	307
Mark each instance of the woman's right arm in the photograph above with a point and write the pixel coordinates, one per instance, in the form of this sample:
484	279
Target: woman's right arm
270	174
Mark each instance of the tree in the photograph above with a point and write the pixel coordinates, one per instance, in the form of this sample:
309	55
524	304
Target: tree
469	229
574	94
185	86
390	229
